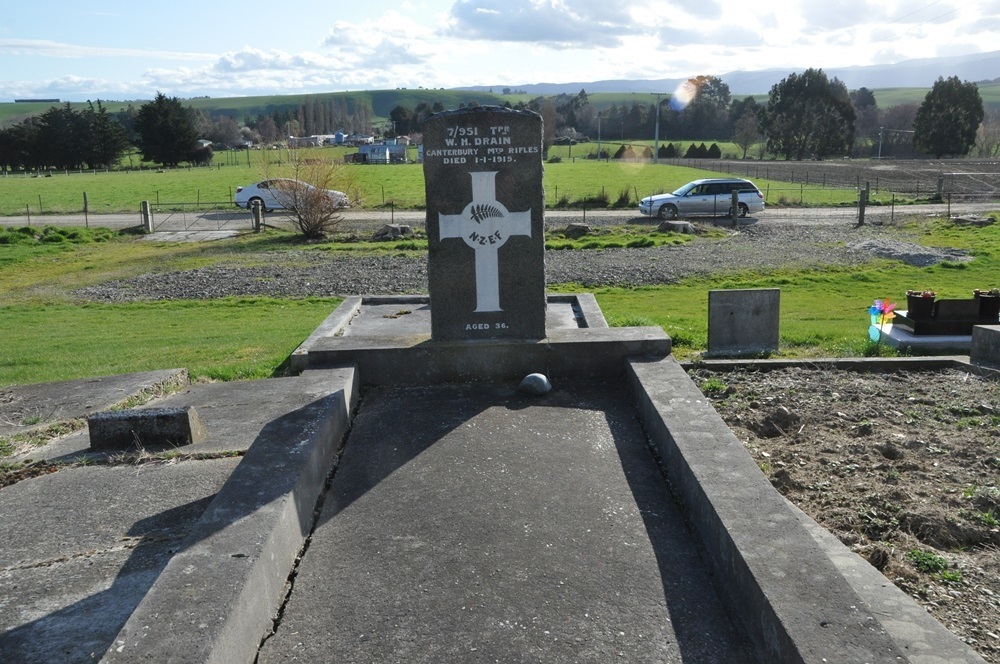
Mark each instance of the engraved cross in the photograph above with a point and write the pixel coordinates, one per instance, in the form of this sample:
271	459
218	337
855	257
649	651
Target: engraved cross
485	225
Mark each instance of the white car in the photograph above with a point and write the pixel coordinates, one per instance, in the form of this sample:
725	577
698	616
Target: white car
280	193
705	197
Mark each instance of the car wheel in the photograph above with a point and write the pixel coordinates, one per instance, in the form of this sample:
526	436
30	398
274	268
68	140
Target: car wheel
668	211
250	203
744	210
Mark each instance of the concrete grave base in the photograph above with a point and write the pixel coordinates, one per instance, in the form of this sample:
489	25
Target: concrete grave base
897	337
390	340
454	519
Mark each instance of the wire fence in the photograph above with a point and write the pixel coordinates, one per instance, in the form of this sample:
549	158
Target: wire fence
192	217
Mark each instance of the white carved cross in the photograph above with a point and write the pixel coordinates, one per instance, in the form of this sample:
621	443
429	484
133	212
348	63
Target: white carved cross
485	225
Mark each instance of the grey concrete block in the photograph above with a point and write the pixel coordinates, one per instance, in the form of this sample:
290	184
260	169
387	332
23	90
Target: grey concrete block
145	428
985	345
743	321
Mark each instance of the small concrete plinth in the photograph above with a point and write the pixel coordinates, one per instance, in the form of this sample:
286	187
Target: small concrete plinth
389	338
145	428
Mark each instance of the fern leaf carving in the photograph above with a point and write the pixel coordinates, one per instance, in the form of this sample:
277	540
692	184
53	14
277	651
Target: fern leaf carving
481	212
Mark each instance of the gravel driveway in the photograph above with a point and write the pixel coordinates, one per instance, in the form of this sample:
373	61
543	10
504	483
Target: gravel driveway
779	239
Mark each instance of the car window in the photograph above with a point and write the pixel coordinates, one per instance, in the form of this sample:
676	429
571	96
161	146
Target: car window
684	190
264	185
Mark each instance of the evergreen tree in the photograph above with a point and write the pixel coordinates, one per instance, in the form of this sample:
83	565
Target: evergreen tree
948	118
62	138
166	130
809	115
866	114
17	146
107	140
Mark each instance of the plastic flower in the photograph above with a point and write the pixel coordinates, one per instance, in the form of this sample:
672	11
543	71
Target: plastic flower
884	309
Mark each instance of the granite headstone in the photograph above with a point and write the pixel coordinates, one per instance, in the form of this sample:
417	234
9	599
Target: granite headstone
485	224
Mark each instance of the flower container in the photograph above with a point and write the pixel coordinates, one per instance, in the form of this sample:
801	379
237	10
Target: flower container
989	306
919	306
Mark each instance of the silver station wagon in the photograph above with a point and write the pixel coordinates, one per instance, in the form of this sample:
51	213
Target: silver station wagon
710	197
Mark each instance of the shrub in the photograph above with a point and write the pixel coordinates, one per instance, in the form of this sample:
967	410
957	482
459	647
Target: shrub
624	198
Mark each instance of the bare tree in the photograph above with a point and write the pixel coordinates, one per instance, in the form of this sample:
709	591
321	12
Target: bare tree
310	196
988	136
746	132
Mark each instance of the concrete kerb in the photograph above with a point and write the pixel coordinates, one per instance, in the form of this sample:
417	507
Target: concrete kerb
772	561
869	364
218	597
331	326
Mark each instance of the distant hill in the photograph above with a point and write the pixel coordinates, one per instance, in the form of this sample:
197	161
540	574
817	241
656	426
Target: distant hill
908	74
892	84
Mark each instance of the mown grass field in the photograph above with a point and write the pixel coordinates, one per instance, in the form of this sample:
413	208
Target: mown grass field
47	333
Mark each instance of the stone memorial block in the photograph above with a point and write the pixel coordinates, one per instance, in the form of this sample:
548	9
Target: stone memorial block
485	224
743	321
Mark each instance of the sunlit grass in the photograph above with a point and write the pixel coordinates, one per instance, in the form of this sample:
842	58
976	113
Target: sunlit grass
48	333
234	338
579	183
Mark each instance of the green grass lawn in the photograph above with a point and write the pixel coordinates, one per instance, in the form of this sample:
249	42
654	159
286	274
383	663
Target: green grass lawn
578	183
47	333
230	339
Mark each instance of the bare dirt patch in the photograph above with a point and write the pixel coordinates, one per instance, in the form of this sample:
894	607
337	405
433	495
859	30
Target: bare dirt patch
902	467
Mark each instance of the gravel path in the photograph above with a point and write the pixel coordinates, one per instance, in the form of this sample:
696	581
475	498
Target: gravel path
770	243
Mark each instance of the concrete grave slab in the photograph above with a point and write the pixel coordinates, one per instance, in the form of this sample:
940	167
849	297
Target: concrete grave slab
86	547
81	547
501	527
218	596
801	595
390	340
27	407
233	414
985	345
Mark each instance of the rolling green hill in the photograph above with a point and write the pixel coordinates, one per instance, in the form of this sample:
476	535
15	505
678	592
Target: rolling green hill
383	101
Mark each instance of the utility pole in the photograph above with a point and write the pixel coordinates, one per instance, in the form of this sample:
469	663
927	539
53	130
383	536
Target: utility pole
598	136
656	134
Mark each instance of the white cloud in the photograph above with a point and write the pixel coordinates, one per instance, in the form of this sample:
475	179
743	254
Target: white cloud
552	22
52	49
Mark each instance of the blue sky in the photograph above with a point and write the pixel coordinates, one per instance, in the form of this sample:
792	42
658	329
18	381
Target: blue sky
110	49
